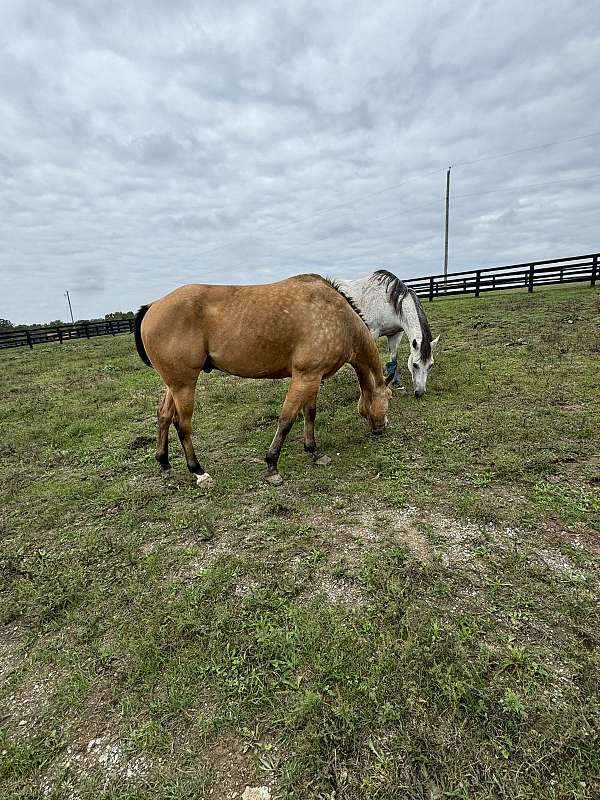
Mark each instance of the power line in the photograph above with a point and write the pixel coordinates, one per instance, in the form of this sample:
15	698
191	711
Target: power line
390	187
436	204
528	186
309	242
321	212
525	149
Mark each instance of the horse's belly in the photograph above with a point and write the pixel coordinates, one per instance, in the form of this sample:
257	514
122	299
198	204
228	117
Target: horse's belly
254	372
258	361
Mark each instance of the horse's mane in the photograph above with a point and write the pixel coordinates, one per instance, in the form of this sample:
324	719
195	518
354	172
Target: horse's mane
335	285
396	292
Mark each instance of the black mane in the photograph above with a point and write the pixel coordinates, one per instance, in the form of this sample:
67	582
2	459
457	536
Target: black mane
396	292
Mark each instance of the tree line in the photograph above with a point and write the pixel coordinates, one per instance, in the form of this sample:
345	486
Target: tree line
7	325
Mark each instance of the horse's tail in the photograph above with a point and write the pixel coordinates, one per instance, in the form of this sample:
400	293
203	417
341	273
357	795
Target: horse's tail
137	334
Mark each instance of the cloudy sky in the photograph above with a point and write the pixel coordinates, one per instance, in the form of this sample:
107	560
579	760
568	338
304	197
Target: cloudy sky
153	143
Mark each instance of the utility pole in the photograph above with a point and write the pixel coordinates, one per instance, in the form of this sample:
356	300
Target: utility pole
446	229
70	309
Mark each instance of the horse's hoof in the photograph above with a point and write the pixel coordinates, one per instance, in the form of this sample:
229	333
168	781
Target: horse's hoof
323	460
204	480
273	479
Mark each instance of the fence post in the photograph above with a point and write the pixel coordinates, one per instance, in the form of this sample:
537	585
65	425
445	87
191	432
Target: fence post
560	278
60	336
530	279
87	330
431	289
29	342
110	327
477	282
594	270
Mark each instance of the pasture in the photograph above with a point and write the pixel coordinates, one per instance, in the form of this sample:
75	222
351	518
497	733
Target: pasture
417	620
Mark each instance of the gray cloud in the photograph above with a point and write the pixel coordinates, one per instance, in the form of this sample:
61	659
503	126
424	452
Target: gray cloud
147	144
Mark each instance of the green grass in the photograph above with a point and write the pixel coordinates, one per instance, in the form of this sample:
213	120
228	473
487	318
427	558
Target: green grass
418	620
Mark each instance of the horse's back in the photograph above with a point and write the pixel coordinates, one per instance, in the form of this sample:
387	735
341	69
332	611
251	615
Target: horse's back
265	330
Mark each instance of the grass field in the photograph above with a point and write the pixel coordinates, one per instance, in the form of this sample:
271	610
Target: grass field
418	620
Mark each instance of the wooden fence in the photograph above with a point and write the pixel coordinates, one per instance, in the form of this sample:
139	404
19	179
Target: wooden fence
61	333
575	269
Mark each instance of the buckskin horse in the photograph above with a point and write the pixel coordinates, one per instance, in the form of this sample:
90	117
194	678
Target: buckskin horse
302	327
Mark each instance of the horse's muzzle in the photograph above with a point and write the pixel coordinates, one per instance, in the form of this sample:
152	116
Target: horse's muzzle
377	431
419	392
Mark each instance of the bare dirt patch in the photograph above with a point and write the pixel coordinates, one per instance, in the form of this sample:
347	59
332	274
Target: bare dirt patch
12	643
141	442
101	757
338	591
243	768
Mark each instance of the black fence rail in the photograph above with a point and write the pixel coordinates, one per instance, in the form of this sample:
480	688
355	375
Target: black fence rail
575	269
61	333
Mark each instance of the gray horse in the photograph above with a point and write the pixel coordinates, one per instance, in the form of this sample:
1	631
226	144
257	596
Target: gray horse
391	309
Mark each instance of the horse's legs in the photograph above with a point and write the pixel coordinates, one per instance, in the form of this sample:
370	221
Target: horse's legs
392	364
309	409
166	411
310	412
302	392
183	397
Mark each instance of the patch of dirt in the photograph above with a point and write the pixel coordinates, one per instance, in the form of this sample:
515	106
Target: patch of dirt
280	510
141	441
414	539
102	757
256	793
239	766
206	553
337	590
150	485
24	707
555	561
12	639
245	586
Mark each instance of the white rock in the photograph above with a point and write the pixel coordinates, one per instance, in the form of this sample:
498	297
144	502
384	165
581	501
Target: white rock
256	793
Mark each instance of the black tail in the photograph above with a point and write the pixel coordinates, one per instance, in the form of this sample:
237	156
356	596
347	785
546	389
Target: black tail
137	333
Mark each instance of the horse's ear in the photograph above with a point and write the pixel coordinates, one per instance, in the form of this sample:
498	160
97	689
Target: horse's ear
435	342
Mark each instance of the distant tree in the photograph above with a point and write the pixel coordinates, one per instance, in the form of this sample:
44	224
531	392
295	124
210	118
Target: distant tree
119	315
6	324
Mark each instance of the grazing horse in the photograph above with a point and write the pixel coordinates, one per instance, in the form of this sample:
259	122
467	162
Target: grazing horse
302	327
390	308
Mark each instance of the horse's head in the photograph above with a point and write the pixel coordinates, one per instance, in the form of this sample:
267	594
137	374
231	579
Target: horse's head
420	361
374	407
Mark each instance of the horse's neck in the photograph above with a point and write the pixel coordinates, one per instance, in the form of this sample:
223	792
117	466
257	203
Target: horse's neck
409	319
353	289
367	295
366	362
